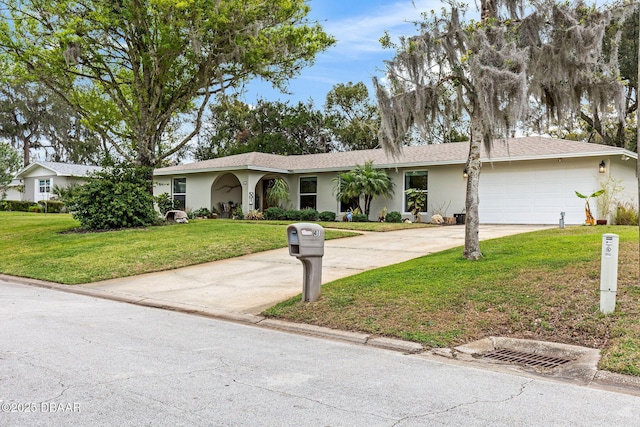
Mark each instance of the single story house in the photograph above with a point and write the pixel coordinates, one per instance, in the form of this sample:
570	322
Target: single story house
528	180
39	178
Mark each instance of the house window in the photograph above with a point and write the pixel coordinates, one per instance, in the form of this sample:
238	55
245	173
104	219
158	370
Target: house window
308	192
180	191
349	204
418	180
45	185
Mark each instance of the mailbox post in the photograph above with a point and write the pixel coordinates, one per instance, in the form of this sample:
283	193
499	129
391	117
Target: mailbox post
306	242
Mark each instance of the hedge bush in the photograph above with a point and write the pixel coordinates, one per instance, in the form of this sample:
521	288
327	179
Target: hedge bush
308	215
116	197
394	216
16	205
51	206
360	218
292	215
327	216
274	214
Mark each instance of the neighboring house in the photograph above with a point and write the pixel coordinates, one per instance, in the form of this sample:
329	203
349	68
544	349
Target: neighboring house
14	190
40	177
528	180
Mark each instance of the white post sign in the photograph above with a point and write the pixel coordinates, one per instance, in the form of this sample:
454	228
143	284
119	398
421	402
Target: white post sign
609	273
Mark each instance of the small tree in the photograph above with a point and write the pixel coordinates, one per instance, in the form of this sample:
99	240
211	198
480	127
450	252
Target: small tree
363	181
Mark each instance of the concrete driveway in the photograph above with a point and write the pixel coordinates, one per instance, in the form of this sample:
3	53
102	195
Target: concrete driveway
251	283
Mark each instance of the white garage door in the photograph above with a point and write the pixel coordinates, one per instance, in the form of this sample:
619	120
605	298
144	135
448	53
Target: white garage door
522	193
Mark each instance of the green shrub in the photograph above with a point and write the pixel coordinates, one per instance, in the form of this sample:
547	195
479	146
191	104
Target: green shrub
166	203
327	216
116	197
237	213
17	205
274	214
626	214
308	215
360	218
292	215
199	213
51	206
35	208
394	216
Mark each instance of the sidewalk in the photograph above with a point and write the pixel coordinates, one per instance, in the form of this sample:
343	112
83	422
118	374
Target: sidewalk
252	283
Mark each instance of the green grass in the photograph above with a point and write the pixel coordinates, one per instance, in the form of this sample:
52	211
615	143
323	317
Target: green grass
43	247
542	285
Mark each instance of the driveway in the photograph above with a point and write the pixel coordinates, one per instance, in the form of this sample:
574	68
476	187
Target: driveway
251	283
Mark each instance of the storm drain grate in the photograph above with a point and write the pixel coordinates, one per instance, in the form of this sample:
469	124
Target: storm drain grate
529	359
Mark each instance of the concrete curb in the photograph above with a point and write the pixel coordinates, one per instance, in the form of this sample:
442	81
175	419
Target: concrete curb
299	328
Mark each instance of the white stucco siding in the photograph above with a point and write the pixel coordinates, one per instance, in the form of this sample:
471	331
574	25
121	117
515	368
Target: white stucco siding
392	203
447	190
625	172
161	184
198	191
326	200
535	192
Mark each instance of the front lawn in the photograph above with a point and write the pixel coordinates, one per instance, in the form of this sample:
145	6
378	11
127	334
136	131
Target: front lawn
45	247
542	285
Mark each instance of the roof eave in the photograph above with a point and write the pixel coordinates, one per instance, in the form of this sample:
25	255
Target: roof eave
158	172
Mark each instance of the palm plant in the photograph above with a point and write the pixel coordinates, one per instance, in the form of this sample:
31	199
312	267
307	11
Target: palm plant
363	181
278	193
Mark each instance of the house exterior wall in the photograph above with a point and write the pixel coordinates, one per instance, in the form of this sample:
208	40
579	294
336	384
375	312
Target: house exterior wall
625	172
446	189
523	191
32	186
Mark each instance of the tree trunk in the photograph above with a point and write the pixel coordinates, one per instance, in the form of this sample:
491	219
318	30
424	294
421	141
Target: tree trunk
26	152
472	223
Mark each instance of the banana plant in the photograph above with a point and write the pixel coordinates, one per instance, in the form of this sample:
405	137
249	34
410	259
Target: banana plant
587	209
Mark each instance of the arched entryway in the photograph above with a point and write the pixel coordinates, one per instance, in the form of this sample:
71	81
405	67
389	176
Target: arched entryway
226	194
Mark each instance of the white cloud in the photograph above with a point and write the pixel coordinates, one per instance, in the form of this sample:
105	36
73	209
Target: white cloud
360	34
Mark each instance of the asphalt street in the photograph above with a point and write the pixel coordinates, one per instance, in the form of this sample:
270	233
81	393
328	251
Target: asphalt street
69	359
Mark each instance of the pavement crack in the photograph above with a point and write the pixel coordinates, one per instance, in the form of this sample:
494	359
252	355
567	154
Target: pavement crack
308	399
460	405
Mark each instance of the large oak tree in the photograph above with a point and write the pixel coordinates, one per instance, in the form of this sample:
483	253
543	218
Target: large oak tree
489	70
133	68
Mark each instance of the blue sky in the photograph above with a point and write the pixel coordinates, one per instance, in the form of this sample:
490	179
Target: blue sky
357	56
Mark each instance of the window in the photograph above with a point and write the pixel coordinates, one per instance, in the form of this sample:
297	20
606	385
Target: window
349	204
418	180
308	192
45	185
180	191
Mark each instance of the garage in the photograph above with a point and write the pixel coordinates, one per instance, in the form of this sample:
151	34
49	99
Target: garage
536	192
